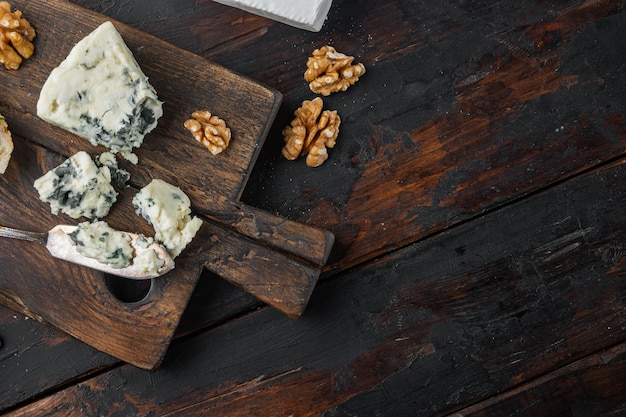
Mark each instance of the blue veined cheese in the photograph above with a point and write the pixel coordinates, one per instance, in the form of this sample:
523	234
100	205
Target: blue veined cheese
148	260
100	93
97	240
78	188
101	242
168	209
303	14
119	176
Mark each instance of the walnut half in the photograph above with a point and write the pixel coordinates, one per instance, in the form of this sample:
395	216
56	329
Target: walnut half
311	133
16	36
209	130
329	71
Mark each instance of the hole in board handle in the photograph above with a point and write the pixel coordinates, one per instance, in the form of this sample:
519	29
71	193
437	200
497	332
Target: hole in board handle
128	290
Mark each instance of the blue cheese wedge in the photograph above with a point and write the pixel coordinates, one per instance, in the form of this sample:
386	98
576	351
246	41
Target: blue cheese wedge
100	93
78	188
303	14
168	209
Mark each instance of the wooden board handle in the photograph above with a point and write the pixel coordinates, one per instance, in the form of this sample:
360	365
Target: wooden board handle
283	278
308	243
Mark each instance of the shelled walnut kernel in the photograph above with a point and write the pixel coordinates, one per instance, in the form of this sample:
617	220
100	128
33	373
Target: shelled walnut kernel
16	36
311	133
329	71
209	130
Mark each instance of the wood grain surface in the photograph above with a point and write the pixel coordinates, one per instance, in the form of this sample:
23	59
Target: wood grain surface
476	194
438	338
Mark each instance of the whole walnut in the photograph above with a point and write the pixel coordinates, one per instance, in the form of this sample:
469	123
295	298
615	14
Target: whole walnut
329	71
311	133
16	36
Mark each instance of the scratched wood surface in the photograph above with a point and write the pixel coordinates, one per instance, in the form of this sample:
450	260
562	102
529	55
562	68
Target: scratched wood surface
476	194
432	337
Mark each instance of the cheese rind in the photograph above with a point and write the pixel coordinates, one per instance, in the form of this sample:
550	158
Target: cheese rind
100	93
167	208
78	188
303	14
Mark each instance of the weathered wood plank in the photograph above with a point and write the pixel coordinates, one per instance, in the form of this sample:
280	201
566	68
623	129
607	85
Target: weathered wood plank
34	358
199	26
458	318
437	58
464	108
593	386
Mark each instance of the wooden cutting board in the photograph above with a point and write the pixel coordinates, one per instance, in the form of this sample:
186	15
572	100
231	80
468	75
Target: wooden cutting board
277	260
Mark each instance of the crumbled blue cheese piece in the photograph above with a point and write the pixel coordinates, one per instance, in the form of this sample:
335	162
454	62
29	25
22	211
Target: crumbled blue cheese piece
101	242
78	188
107	159
100	93
119	176
168	209
303	14
148	261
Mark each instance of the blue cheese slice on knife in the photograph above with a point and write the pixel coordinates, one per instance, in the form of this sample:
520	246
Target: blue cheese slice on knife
97	240
101	242
100	93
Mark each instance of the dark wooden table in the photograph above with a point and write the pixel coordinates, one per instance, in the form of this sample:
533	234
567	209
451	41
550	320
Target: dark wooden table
477	193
